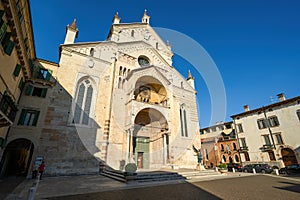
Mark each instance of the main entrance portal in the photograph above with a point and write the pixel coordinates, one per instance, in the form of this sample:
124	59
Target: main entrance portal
150	139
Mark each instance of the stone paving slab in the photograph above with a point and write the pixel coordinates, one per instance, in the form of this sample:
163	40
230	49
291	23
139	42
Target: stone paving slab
74	185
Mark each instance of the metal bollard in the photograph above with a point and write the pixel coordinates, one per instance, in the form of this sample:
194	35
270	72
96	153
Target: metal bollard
31	193
233	170
277	172
254	171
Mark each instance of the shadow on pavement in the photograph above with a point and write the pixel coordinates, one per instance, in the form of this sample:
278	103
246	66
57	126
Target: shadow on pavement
174	191
8	184
293	187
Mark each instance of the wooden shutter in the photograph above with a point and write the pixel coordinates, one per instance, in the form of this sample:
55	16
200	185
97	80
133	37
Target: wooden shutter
22	117
9	47
21	84
29	89
3	28
36	117
17	70
44	92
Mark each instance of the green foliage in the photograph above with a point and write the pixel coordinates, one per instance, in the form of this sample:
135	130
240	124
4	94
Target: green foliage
223	166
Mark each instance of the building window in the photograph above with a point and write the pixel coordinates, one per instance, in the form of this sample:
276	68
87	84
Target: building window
132	33
183	122
267	139
7	44
243	142
221	128
273	121
21	84
272	156
247	158
298	114
83	102
234	146
278	138
237	159
223	159
28	117
156	45
261	123
92	51
239	128
36	91
41	73
3	26
213	129
17	70
228	126
222	147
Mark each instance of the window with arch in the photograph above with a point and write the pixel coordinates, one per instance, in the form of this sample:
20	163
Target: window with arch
83	100
234	146
120	71
298	114
132	33
183	121
222	147
224	159
237	159
92	51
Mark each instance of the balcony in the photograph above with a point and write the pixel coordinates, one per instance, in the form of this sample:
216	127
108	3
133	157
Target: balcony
267	147
243	149
8	110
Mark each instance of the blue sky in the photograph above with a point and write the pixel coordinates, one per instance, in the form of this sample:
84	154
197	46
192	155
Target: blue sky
255	44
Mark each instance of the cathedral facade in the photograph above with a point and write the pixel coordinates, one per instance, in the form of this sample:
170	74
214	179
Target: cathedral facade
117	101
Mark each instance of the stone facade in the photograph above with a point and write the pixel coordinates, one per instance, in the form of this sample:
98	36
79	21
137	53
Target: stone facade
118	101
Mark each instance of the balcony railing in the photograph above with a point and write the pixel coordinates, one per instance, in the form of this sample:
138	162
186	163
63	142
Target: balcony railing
8	110
243	148
267	147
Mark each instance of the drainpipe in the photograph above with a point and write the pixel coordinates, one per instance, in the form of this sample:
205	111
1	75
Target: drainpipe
268	125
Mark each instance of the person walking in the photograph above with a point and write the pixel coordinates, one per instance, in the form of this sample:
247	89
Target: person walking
35	169
41	169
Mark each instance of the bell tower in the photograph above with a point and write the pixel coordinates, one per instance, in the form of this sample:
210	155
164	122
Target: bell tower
145	18
71	33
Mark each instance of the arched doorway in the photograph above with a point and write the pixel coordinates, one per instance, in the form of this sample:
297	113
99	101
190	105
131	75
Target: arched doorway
150	139
288	156
17	157
230	159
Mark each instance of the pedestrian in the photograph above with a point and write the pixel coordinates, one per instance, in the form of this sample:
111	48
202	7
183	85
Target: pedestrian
41	169
35	169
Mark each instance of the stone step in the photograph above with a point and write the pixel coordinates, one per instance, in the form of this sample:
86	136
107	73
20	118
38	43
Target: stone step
116	175
199	174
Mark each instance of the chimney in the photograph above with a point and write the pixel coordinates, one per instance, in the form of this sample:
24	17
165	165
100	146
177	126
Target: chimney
281	97
246	108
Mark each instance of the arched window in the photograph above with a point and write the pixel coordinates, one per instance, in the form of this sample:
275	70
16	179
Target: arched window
230	159
156	45
132	33
222	147
183	121
237	158
223	159
234	146
92	51
120	83
120	71
124	72
83	102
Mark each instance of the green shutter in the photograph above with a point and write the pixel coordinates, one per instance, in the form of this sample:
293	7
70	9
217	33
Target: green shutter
49	73
17	70
21	83
22	117
44	92
29	89
9	47
36	117
3	28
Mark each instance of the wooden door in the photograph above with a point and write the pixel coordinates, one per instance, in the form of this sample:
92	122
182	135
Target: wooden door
140	160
